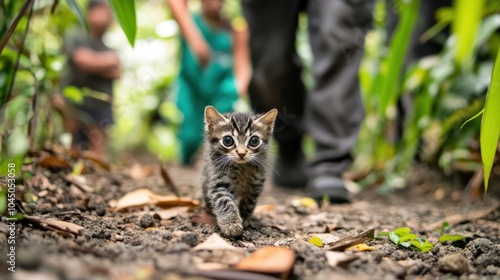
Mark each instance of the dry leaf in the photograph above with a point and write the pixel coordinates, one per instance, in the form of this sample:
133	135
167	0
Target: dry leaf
57	225
78	181
268	260
360	248
339	259
171	213
138	172
233	274
39	181
142	197
265	208
204	218
327	238
214	242
211	266
95	159
53	162
349	241
168	181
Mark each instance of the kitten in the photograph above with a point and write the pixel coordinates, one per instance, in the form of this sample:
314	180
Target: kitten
236	164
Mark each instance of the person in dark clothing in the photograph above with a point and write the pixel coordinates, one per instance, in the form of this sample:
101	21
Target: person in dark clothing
333	111
92	67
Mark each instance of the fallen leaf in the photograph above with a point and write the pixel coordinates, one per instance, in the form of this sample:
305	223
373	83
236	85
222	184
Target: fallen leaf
171	213
305	202
233	274
52	224
339	259
327	238
265	208
53	162
211	266
78	168
78	181
95	159
347	242
214	242
316	241
142	197
138	172
360	248
268	260
204	218
168	181
461	218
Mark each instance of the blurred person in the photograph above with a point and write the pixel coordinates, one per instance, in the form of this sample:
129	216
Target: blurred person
214	67
92	67
332	113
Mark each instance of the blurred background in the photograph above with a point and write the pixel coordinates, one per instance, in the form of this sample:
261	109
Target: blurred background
419	83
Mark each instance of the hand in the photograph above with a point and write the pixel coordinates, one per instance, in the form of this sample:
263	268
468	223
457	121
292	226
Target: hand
202	52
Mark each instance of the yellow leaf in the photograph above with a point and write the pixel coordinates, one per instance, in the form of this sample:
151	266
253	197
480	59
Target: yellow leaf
305	202
360	247
316	241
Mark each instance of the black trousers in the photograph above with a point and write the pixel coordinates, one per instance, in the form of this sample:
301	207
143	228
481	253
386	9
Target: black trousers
332	113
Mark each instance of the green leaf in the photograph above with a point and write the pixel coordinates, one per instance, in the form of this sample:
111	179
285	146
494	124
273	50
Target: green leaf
405	244
316	241
452	238
402	231
473	117
408	237
422	245
490	123
394	237
466	21
124	11
446	226
3	201
383	233
392	66
75	8
74	94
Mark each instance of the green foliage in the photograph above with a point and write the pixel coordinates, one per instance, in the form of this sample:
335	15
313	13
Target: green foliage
3	200
75	8
404	238
490	124
465	30
124	11
446	237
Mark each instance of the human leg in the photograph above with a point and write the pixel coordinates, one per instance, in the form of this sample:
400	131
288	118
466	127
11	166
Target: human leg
334	109
276	81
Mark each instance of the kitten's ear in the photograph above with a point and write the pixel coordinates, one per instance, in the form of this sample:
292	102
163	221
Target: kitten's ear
212	116
268	118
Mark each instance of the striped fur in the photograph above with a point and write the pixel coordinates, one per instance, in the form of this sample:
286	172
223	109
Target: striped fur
233	175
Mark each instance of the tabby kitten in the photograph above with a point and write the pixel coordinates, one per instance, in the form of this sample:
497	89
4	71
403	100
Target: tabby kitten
236	164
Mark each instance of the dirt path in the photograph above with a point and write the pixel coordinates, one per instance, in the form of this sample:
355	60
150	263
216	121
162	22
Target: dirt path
139	245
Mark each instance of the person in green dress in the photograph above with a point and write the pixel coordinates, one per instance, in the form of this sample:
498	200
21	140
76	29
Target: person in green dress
214	67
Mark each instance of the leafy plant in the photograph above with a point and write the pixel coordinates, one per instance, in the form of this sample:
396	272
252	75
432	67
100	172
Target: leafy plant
446	237
404	238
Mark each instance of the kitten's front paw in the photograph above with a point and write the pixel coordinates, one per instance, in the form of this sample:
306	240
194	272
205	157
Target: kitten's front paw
231	227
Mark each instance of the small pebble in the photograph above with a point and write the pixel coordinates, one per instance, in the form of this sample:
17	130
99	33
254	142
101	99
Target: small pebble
147	221
455	263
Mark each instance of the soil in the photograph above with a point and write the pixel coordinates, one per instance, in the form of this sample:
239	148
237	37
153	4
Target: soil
139	245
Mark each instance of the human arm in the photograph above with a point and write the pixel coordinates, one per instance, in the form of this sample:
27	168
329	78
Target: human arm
189	30
105	64
242	71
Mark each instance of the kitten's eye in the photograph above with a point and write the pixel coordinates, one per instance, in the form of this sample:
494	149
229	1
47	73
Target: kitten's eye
227	141
254	141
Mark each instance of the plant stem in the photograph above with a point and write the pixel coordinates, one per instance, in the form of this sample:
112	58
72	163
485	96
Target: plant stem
14	24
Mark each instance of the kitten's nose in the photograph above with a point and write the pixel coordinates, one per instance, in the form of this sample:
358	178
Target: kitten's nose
242	155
